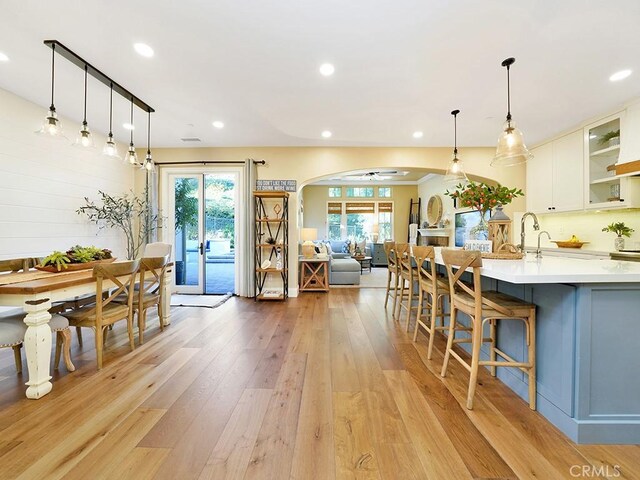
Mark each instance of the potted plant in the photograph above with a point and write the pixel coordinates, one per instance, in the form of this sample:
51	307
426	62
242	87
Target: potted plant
483	197
127	212
610	138
621	230
76	258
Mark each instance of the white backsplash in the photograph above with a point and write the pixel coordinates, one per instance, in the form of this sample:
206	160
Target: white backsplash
587	226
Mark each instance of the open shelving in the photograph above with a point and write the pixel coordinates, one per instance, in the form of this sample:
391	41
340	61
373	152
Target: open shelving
271	222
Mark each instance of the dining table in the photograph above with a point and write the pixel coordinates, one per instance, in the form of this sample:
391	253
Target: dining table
35	291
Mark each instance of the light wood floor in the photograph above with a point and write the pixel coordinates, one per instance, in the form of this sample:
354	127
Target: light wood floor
320	387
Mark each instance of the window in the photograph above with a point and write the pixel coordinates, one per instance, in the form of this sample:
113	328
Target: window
384	192
360	192
335	192
357	220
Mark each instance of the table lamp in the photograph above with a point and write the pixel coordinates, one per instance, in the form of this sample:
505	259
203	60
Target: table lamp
375	231
308	247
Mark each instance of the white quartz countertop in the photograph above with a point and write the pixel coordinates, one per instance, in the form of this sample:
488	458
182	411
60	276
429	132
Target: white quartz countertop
552	269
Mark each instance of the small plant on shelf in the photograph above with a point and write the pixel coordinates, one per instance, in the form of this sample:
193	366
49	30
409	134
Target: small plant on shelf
604	140
619	228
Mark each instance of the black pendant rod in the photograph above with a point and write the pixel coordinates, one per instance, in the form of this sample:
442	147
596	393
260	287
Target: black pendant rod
80	62
455	132
131	124
507	63
111	111
149	134
53	75
84	120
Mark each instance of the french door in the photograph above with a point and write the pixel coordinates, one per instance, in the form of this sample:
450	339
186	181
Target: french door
202	217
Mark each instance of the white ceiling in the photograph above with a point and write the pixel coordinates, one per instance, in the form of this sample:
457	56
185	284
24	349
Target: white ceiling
401	66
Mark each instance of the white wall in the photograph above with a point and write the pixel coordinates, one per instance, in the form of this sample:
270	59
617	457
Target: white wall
44	181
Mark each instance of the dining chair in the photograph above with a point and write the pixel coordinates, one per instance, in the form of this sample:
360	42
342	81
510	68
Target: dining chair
481	307
393	278
150	291
106	311
433	290
157	249
17	264
408	280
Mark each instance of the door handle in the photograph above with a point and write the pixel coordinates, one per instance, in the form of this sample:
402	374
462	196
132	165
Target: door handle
201	248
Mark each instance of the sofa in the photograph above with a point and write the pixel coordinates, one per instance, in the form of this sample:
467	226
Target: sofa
343	270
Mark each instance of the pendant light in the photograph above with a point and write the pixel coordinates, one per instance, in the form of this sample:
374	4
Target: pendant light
84	135
148	164
131	157
455	173
52	127
511	147
110	148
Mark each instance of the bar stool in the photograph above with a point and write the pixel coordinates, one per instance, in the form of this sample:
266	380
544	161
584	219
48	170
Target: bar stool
392	275
408	273
433	290
484	307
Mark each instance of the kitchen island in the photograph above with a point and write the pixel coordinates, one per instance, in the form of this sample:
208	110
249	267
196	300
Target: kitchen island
587	342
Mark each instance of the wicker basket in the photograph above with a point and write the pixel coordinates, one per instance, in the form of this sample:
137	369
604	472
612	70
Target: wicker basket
507	251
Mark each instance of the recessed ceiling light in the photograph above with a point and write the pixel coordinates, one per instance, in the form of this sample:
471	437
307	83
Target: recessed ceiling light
143	49
326	134
418	134
129	126
3	57
621	75
218	124
327	69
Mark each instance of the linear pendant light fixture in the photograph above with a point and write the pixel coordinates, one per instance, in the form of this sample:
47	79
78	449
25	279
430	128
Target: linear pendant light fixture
511	147
84	137
455	173
110	148
52	126
148	164
131	157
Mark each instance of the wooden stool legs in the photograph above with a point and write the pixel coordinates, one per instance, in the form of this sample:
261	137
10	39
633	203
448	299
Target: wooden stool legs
63	346
17	355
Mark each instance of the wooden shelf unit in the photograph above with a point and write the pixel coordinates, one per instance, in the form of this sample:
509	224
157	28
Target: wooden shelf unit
271	222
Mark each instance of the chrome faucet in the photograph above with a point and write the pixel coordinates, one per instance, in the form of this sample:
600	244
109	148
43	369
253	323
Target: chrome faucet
538	251
536	226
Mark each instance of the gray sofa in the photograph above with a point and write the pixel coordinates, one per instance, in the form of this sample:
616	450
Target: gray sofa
343	270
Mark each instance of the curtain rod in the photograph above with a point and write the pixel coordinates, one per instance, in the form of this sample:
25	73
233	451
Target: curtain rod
206	162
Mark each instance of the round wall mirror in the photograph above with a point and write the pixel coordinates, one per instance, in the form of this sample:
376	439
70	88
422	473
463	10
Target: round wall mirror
434	210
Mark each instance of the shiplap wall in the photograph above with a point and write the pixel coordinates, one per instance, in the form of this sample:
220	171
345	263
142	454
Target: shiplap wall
43	181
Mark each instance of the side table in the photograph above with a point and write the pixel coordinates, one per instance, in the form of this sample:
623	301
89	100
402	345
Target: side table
365	263
314	274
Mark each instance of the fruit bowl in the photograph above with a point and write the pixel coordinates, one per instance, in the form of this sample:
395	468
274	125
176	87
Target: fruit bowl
569	244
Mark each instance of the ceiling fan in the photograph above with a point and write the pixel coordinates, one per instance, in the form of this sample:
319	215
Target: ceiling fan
375	176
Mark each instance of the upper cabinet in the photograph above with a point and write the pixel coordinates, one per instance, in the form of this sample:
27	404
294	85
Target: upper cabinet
630	130
555	175
604	142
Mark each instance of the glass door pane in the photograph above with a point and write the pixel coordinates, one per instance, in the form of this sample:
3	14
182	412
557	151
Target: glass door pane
220	232
187	214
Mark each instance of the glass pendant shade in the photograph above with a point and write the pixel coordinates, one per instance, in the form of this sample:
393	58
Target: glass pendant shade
455	172
148	164
131	157
84	139
51	126
110	147
511	147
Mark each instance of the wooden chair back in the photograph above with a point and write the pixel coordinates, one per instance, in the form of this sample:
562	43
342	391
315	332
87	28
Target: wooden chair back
403	257
155	283
390	252
17	264
112	272
426	275
157	249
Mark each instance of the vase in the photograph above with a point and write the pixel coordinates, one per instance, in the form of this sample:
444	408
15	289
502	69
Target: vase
480	231
618	243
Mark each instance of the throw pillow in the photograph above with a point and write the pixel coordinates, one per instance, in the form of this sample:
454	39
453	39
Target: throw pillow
346	247
362	246
328	247
321	248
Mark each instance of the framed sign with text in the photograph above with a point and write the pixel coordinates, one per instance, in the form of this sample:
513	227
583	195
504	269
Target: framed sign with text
280	185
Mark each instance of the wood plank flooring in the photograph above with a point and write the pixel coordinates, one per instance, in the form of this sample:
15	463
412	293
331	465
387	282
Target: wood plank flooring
324	386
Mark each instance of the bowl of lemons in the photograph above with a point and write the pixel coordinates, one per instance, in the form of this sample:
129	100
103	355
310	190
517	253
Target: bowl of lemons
573	242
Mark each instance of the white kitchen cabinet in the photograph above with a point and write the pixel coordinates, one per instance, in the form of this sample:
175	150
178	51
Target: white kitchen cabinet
630	135
555	175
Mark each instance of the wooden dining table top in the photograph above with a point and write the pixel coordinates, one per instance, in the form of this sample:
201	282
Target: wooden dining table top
23	284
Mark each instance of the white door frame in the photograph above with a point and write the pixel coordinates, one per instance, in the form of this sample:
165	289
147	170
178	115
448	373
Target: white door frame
240	209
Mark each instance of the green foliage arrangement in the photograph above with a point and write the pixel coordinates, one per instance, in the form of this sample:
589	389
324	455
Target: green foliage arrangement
127	212
619	228
483	197
76	254
608	136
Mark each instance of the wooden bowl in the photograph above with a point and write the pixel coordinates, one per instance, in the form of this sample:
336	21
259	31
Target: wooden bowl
71	267
567	244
